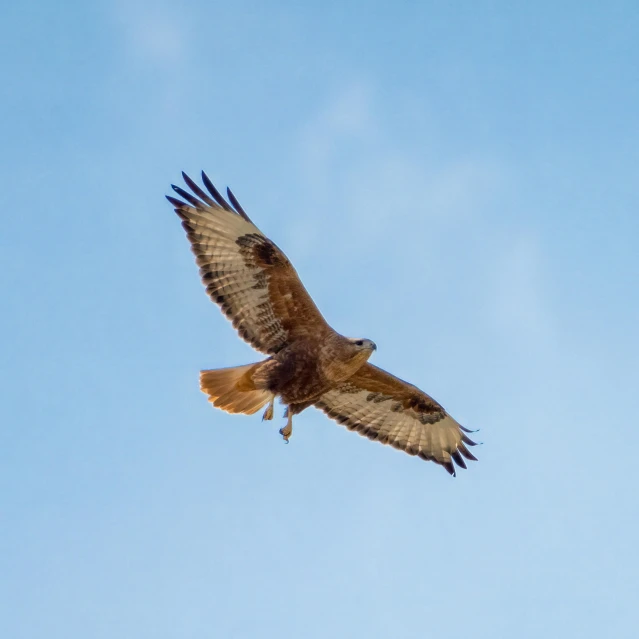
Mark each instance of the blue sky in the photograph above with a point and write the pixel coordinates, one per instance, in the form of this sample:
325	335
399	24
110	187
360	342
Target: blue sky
457	181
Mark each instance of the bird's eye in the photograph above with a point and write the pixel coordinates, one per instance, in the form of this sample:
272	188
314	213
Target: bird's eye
359	342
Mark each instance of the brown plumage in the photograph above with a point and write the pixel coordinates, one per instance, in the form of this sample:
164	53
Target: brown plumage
309	363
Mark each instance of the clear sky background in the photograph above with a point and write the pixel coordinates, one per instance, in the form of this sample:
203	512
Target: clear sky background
458	181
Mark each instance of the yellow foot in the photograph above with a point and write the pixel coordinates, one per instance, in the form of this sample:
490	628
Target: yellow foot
268	413
286	432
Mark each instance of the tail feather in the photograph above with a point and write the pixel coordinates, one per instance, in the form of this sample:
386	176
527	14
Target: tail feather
232	389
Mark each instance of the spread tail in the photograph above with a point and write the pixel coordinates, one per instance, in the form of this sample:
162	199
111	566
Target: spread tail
233	389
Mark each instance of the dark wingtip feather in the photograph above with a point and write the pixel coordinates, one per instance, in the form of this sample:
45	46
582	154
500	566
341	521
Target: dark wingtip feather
468	440
459	460
178	204
467	430
215	193
187	196
197	190
466	453
236	205
449	466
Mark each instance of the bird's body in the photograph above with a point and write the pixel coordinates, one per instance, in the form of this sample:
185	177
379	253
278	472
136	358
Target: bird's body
309	363
306	369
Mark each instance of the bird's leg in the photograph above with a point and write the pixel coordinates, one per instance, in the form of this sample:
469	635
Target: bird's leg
287	431
268	413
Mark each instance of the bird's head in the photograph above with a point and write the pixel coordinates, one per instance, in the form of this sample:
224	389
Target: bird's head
363	345
346	355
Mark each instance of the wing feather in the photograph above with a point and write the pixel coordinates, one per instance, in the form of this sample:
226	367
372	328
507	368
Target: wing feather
244	272
389	410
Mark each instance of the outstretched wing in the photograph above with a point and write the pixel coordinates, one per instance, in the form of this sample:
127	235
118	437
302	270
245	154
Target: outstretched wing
245	273
391	411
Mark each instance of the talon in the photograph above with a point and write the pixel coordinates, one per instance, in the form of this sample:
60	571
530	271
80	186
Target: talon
268	413
287	431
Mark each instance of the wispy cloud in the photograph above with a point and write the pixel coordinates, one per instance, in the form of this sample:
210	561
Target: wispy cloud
349	157
518	305
151	61
345	118
153	34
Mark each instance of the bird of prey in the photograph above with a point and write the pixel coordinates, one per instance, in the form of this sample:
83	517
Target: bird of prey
308	363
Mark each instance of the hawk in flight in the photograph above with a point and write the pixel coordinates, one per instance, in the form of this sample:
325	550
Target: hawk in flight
308	363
